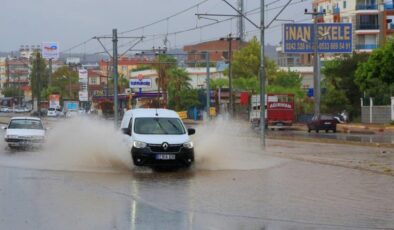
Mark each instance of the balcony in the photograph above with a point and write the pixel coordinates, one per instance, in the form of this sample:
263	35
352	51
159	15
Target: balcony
366	46
388	6
367	27
367	7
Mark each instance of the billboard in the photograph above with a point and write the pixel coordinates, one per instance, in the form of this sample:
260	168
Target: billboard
54	101
83	95
71	105
83	76
332	37
140	83
50	50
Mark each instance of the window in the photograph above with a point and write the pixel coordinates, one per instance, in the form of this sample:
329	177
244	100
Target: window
344	4
25	124
159	126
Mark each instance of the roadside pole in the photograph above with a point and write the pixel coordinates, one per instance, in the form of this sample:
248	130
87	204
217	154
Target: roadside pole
115	74
262	76
38	80
208	85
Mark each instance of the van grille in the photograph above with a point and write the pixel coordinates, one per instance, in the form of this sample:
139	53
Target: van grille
170	149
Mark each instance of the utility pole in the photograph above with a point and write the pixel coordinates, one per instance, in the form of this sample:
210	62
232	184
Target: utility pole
229	39
241	24
38	80
208	84
115	57
115	73
316	61
50	72
262	75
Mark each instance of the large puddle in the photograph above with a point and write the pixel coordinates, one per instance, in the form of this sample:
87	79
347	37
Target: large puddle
85	144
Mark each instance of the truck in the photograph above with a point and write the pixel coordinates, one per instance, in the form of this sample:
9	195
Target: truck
279	110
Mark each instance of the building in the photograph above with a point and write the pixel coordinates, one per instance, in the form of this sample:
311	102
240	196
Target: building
97	83
3	72
292	59
218	51
125	65
371	19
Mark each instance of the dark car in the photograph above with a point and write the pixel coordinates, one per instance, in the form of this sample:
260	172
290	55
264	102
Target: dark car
322	122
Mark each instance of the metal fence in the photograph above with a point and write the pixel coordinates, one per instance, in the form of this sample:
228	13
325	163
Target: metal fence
377	113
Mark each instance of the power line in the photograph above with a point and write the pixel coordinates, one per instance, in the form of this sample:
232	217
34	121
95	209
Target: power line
250	12
166	18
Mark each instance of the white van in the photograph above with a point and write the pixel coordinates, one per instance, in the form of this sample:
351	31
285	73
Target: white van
157	136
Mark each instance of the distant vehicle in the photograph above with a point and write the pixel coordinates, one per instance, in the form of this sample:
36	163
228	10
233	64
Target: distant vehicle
157	137
24	132
322	122
51	112
279	110
5	109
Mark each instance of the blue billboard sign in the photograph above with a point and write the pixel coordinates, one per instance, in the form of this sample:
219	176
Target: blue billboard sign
332	37
140	83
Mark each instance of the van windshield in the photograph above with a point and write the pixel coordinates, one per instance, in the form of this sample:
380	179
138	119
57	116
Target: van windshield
159	126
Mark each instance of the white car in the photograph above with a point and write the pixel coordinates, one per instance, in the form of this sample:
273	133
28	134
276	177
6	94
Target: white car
24	132
157	136
54	112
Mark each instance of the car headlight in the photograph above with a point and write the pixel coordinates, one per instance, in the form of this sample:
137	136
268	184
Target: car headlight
188	145
12	137
139	144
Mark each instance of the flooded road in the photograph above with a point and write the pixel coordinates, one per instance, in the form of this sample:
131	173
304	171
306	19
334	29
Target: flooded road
233	185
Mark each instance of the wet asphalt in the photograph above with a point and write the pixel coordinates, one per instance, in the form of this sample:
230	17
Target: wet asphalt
286	195
248	190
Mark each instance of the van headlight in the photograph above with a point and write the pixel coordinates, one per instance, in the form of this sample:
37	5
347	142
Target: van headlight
139	144
12	137
188	145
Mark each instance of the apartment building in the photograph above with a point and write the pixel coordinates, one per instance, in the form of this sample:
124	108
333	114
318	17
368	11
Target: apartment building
370	19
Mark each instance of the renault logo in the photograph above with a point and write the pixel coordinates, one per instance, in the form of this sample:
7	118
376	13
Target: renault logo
165	145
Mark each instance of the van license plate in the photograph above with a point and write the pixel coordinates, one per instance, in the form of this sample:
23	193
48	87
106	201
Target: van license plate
327	123
165	157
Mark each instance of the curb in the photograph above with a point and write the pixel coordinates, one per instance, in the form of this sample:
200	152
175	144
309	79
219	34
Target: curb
331	141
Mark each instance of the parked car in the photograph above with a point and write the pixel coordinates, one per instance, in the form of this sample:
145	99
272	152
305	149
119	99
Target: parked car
5	109
24	132
322	122
157	137
20	109
55	112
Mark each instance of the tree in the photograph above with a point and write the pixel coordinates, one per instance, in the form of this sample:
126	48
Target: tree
218	83
287	79
163	66
376	76
181	96
246	62
38	69
340	91
64	81
12	92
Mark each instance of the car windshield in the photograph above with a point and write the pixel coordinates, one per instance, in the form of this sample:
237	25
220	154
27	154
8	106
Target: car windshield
25	124
160	126
326	117
51	109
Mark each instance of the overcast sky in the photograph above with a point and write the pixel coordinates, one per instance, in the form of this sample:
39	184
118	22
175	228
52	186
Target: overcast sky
70	22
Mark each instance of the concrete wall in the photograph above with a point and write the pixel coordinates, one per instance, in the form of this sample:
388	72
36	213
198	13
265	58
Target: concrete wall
380	114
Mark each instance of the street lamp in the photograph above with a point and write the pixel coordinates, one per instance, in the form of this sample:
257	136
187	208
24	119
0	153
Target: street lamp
229	39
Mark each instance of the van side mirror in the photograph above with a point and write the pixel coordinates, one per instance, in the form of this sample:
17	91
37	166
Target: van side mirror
126	131
191	131
4	127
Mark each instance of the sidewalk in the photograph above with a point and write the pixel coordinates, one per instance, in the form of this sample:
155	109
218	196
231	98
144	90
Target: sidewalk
355	128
